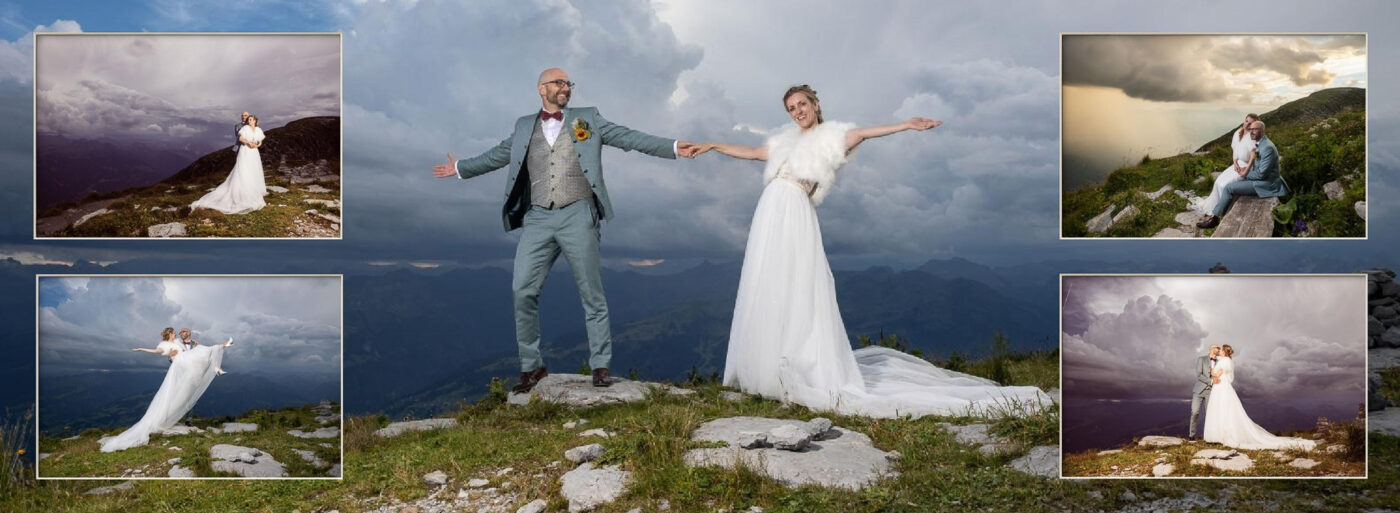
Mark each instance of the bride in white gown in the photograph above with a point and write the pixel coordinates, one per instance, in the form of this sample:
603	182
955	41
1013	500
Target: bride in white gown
1242	151
787	340
1227	423
242	191
191	370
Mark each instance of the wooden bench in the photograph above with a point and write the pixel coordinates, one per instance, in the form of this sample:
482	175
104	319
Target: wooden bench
1249	217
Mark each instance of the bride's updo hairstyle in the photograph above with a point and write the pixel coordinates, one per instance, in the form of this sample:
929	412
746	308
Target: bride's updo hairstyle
254	120
811	96
1229	351
166	333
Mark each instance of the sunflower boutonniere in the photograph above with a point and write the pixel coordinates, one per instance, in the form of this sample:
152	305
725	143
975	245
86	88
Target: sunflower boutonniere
581	130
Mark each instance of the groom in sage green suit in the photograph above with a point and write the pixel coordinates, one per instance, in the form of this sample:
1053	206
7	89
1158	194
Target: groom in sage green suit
1264	179
556	193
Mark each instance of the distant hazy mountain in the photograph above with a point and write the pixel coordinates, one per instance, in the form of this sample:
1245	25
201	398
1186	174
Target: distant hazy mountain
69	169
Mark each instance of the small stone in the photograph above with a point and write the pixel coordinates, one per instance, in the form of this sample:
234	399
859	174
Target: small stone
173	461
584	453
820	428
1304	463
477	483
789	438
664	505
596	432
1333	190
1108	452
1160	441
1128	496
181	472
731	396
535	506
1162	470
435	478
893	456
752	440
1360	207
166	230
504	471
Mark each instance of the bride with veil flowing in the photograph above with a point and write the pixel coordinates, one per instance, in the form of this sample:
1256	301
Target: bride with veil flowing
787	340
192	369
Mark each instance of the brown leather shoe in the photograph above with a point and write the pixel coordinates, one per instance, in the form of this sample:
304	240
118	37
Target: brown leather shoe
1209	222
601	377
529	379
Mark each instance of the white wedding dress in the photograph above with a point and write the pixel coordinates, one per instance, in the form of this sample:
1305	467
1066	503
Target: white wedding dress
191	371
788	341
1241	148
1229	425
242	191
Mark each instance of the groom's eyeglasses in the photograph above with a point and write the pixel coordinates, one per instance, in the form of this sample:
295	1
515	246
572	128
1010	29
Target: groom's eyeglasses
560	83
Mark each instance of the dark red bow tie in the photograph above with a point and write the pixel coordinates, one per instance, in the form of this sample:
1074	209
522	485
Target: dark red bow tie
557	116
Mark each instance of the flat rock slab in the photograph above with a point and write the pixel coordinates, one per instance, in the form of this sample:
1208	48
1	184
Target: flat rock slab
578	390
104	490
1101	222
1172	233
1043	461
1223	459
317	189
166	230
237	427
310	457
325	432
1163	470
1249	217
276	189
399	428
1304	463
234	459
841	459
587	487
1160	441
971	434
1189	218
1385	422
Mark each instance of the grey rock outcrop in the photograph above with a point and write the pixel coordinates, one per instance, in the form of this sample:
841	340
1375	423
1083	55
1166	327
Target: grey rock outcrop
399	428
325	432
578	390
841	459
104	490
584	453
1160	441
245	461
1229	460
166	230
1043	461
1101	222
238	427
587	487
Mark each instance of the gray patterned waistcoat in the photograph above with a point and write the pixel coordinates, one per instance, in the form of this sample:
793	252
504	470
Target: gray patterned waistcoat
556	178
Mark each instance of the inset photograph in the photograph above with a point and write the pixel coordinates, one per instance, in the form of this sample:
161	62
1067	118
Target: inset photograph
189	376
1213	135
187	135
1214	376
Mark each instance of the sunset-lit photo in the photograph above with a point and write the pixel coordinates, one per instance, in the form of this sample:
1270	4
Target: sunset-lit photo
1155	127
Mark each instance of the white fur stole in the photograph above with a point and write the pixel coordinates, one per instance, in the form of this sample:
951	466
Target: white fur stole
814	156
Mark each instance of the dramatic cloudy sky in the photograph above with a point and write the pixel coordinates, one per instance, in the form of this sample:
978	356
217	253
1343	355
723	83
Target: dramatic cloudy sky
280	325
1139	337
171	90
1130	95
428	77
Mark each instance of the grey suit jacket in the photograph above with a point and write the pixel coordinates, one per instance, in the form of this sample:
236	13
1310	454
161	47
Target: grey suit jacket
590	132
1266	172
1203	379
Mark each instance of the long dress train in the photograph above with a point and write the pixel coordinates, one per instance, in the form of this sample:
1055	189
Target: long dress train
788	340
1229	425
189	375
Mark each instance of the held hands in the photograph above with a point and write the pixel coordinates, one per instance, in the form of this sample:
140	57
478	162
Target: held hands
691	150
446	170
922	124
1215	381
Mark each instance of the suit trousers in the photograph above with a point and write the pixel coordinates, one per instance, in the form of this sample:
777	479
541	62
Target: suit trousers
1240	188
1198	401
573	231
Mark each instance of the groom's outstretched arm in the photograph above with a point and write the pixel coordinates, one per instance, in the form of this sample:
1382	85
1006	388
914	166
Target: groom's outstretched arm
493	159
619	136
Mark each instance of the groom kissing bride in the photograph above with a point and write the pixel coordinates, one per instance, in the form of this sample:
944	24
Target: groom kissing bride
1226	421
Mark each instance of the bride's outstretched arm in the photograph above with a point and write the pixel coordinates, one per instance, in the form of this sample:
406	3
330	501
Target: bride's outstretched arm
859	135
144	350
733	150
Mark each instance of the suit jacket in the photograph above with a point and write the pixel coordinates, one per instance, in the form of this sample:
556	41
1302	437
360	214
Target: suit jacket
236	129
1267	177
1203	378
588	138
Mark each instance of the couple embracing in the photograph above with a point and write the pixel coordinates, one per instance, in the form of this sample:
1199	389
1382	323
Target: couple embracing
1226	421
787	340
